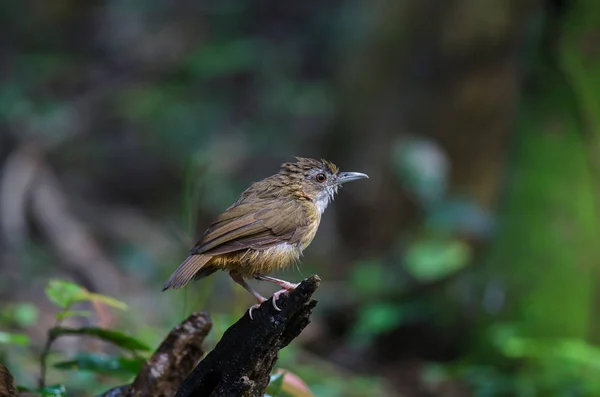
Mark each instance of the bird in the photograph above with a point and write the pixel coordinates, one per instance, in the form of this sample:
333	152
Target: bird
267	228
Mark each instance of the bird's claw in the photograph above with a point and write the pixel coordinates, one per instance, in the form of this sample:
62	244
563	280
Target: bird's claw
274	302
255	306
275	305
276	296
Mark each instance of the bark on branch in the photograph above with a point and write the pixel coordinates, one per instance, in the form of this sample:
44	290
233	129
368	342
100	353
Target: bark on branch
7	388
171	363
241	363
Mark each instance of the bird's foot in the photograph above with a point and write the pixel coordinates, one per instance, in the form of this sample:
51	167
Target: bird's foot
276	296
255	306
286	287
289	286
282	283
260	300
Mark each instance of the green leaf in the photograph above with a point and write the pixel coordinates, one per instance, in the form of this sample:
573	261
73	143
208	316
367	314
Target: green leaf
73	313
103	364
275	385
115	337
48	391
112	302
64	293
54	391
25	314
379	317
432	260
369	277
14	339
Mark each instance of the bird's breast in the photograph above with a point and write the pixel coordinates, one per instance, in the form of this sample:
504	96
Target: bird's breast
308	232
283	254
252	262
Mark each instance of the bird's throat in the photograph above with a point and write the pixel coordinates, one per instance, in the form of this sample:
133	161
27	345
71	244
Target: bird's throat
322	200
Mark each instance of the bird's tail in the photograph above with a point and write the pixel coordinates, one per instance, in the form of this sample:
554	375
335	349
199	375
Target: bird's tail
192	267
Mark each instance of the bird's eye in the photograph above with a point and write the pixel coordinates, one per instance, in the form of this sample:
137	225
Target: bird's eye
321	178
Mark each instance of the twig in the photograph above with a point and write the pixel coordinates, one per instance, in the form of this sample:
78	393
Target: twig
51	337
44	360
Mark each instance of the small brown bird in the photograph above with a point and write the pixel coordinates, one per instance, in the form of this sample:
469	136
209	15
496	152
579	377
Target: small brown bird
267	228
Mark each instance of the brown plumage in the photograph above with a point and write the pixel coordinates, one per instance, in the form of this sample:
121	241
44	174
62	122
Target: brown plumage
267	228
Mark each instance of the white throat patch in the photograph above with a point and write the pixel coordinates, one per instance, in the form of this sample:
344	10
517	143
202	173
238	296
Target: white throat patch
324	198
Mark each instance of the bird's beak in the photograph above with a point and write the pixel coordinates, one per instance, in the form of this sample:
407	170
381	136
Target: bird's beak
350	176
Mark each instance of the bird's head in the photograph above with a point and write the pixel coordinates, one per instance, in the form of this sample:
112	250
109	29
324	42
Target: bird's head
317	180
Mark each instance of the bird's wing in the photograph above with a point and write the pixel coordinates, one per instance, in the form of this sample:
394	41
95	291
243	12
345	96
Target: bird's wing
256	225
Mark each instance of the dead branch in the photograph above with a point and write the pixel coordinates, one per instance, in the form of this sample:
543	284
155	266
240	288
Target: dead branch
7	388
241	363
174	359
171	363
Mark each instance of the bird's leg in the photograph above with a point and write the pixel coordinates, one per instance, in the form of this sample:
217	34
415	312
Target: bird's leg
282	283
240	280
276	296
287	286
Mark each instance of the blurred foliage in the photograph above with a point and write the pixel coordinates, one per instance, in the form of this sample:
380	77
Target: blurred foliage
120	367
423	168
17	339
21	315
65	294
550	366
48	391
432	260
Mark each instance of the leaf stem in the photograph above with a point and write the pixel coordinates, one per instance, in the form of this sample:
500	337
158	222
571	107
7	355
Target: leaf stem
47	346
